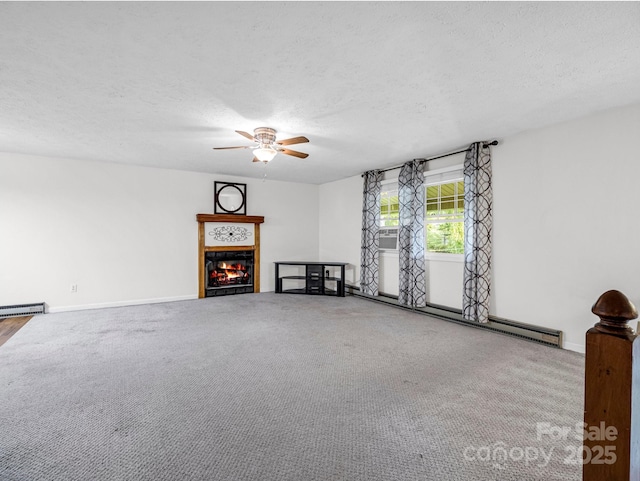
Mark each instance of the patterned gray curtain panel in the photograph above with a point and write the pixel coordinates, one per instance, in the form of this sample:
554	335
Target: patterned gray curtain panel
478	223
411	247
369	249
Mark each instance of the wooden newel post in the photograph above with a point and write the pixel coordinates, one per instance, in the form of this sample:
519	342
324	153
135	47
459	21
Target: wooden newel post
611	449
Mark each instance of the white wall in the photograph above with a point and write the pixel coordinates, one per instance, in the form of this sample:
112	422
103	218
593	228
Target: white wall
127	234
340	220
566	228
566	203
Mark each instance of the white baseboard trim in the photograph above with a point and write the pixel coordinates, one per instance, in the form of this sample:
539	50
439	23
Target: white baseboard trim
572	346
134	302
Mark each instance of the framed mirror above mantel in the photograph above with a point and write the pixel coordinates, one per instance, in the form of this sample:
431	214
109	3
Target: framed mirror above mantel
228	254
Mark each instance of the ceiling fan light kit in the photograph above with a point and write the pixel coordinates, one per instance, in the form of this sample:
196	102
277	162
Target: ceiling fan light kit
265	153
268	147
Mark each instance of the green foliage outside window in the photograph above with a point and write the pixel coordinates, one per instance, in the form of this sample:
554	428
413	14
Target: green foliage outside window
447	238
444	217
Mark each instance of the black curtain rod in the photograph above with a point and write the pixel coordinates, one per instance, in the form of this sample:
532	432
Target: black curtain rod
495	142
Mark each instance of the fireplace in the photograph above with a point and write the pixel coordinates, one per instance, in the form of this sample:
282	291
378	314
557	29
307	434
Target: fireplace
228	272
228	254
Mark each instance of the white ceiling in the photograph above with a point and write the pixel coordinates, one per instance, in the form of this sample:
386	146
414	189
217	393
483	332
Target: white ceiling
370	84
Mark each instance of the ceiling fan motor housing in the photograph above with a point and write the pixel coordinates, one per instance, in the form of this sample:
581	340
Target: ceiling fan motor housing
265	135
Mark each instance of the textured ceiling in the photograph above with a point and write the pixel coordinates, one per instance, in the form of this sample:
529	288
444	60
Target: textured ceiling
370	84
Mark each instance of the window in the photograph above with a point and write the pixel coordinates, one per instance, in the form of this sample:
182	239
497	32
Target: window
444	213
444	216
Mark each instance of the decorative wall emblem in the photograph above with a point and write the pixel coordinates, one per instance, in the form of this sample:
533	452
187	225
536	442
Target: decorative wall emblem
230	233
217	234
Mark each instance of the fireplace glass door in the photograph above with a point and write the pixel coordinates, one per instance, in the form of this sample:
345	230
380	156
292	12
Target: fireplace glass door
228	272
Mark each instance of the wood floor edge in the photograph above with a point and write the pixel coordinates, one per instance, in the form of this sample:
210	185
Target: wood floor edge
10	325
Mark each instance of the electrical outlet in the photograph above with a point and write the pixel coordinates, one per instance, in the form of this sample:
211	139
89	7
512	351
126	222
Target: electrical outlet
74	287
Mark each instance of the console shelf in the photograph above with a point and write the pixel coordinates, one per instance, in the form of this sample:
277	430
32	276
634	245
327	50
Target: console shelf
315	279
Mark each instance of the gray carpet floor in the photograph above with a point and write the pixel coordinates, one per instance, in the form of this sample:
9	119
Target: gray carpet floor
281	387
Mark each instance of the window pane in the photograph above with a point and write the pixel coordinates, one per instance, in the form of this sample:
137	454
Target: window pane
389	208
433	197
446	237
433	192
444	215
394	204
445	201
460	197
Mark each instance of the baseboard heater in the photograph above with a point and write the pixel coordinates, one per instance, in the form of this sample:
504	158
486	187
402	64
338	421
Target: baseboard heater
542	335
22	310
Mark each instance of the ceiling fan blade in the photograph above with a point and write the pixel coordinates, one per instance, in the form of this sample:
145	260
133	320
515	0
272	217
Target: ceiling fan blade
293	140
248	136
226	148
300	155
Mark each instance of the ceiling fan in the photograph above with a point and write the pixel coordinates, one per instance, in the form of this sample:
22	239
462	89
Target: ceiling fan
268	146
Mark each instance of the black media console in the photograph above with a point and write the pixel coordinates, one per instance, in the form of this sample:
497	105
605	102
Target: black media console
319	278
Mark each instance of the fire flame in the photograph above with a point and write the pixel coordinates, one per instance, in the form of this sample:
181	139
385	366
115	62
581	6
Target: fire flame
225	272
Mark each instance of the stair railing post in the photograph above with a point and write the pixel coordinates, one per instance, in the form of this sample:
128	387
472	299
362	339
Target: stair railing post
611	446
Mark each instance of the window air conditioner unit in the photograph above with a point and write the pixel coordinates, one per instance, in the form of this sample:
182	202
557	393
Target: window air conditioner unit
389	238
